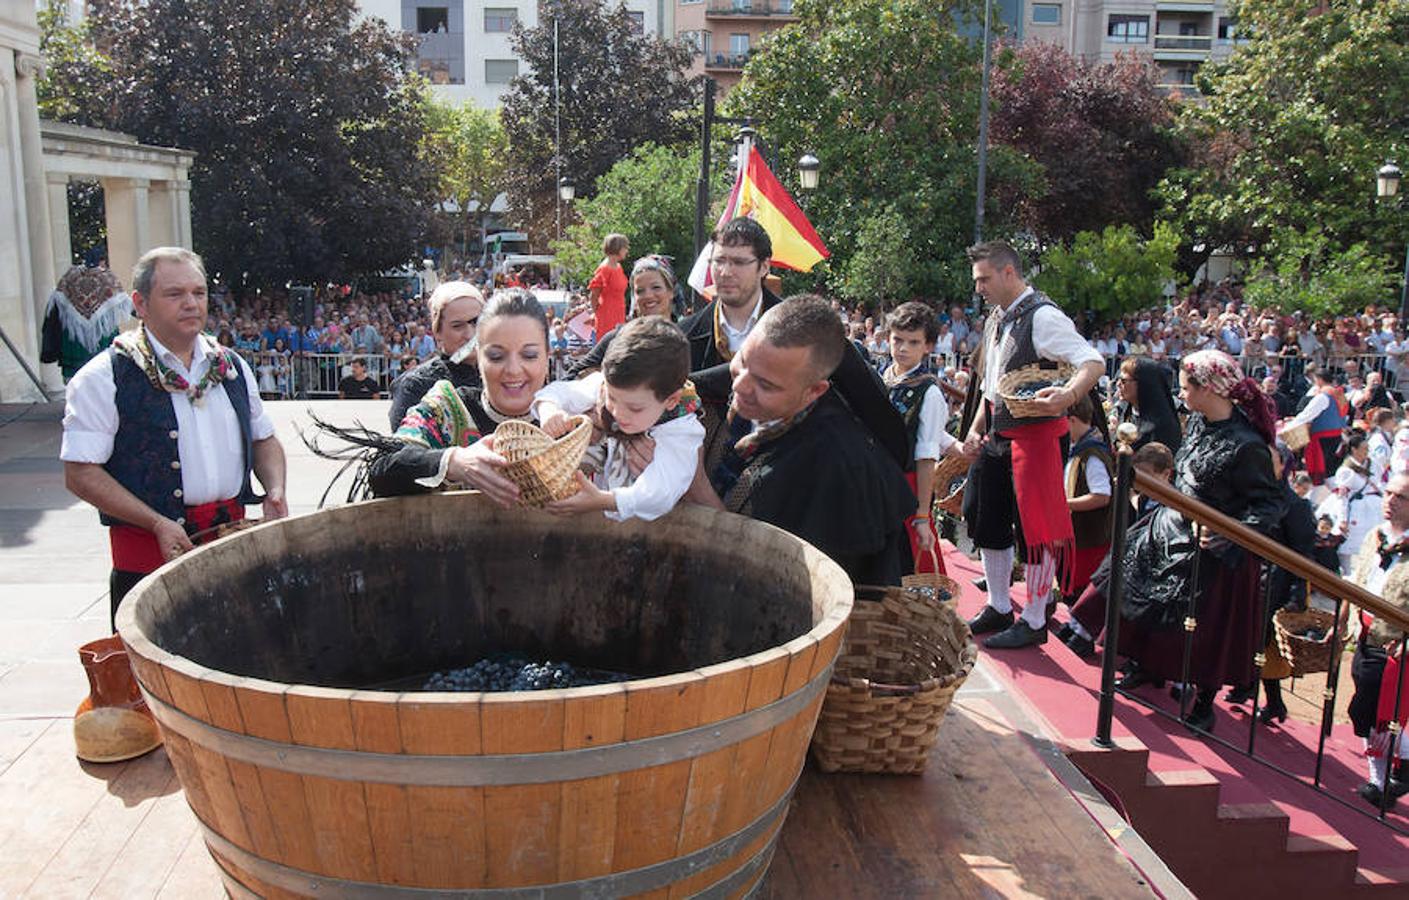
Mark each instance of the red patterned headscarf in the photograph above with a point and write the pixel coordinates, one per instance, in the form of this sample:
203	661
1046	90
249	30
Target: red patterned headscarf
1220	373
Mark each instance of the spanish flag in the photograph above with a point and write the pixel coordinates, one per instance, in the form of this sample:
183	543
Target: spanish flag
760	196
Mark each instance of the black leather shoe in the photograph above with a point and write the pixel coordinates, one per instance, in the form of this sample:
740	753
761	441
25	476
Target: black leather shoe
1272	711
1200	720
1238	695
990	620
1082	646
1137	677
1019	634
1371	794
1066	633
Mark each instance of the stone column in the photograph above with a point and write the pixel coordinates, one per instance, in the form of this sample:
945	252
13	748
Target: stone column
60	236
128	218
161	201
183	213
17	287
28	69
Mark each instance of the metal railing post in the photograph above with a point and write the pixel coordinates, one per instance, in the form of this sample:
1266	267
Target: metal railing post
1115	587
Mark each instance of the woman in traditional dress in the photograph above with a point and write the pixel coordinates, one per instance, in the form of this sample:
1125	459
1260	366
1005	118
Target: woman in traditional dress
1148	401
446	439
1225	462
455	308
1356	504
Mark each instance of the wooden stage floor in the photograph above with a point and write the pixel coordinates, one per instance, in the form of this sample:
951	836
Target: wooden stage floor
989	818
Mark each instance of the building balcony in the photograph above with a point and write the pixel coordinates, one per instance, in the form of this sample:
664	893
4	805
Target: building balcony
726	62
751	9
1202	42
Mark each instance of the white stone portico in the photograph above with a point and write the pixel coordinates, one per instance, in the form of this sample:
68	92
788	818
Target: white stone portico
147	193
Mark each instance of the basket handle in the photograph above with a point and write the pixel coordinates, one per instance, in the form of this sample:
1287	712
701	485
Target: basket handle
934	561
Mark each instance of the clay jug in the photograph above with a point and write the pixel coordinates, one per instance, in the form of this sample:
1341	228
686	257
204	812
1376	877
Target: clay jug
112	723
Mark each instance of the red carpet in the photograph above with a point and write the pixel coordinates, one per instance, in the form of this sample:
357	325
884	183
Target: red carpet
1063	691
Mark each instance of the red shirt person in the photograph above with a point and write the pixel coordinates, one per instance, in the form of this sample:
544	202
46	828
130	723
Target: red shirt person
607	289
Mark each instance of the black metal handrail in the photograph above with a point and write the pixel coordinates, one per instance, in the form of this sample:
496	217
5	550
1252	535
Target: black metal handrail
1271	553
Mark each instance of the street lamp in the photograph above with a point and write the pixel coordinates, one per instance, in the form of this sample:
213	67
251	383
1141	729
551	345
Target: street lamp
1387	188
807	172
567	189
1387	180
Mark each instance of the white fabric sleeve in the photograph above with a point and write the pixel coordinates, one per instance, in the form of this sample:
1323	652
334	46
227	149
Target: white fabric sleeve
572	397
1055	337
662	483
261	426
1098	480
90	413
436	480
932	439
1313	409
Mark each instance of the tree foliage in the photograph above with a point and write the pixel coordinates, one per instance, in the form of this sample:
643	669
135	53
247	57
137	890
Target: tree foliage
650	198
1306	273
875	274
1103	134
885	93
305	121
1108	273
1296	123
619	89
76	74
465	144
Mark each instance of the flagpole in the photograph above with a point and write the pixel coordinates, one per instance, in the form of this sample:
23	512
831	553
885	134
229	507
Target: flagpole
702	183
983	123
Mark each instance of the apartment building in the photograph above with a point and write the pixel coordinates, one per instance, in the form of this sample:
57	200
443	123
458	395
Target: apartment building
725	33
1179	35
464	48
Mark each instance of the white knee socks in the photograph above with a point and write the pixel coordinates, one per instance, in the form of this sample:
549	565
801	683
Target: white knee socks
1039	590
998	571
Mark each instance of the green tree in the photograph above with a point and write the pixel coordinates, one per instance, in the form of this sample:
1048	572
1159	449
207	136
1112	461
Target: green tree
619	89
1306	273
885	93
650	198
876	275
305	121
1109	273
1296	122
465	144
73	88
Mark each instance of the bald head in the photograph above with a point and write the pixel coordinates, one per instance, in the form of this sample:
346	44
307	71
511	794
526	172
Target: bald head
1396	503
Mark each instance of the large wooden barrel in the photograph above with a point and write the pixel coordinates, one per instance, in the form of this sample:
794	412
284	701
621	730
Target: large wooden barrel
274	661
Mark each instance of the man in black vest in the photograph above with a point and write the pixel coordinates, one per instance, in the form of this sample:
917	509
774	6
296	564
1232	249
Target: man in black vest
1016	489
163	431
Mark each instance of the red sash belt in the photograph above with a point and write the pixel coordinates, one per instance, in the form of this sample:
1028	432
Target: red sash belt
1041	490
136	550
1389	688
1313	457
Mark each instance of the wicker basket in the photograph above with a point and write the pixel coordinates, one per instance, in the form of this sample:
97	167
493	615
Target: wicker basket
951	473
933	586
543	468
1044	373
1296	437
1304	655
902	662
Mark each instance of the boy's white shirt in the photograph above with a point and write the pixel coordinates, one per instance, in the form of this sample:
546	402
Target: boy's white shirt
931	440
664	480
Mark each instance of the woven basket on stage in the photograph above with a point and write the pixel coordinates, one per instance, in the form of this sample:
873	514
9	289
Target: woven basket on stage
903	660
1030	379
951	473
1303	654
1296	437
543	468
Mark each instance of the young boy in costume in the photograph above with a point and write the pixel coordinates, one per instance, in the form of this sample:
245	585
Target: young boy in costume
641	390
916	395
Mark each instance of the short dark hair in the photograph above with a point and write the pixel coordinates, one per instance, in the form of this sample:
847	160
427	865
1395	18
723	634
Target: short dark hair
359	361
614	243
514	302
742	231
650	351
1154	455
914	316
806	320
998	254
1083	409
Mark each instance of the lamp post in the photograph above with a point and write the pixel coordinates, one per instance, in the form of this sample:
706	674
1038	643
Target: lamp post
808	167
1387	181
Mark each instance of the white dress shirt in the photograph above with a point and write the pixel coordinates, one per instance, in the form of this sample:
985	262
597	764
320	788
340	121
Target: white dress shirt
1314	408
931	440
668	475
1053	336
736	336
208	441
